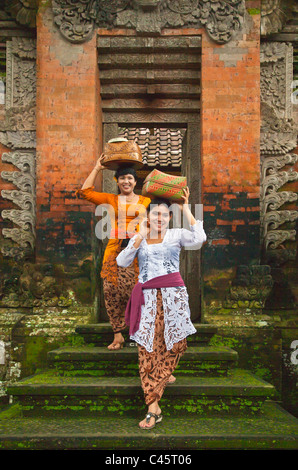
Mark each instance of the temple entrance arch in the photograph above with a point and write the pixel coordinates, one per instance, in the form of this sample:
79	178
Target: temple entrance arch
150	93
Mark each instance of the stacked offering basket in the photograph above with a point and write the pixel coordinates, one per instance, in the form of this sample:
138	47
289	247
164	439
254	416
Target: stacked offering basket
120	152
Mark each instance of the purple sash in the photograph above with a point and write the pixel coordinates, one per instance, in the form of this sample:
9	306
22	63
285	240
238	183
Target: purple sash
134	305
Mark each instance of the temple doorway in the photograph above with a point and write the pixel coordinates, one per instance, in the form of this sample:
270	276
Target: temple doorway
150	93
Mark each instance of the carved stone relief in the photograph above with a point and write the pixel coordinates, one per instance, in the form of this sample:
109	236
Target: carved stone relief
23	11
77	20
20	84
278	141
18	134
274	15
250	288
277	75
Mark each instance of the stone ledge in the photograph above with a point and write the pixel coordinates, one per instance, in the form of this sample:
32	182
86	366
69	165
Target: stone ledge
274	429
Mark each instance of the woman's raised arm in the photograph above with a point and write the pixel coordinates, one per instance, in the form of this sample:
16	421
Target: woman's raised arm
196	236
87	190
89	182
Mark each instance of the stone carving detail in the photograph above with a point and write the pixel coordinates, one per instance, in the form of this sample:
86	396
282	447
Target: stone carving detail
250	288
24	235
274	200
33	287
278	140
25	161
23	47
20	84
77	20
23	11
220	18
276	78
274	219
18	134
270	174
21	117
274	15
276	237
276	180
18	139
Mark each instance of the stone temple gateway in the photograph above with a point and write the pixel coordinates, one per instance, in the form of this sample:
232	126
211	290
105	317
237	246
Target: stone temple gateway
209	90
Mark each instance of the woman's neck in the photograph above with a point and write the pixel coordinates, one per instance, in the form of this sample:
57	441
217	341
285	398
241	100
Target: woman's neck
155	236
129	197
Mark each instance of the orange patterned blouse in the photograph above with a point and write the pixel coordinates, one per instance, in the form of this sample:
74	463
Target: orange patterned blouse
124	218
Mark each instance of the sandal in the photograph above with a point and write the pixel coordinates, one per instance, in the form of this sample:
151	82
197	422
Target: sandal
149	415
171	381
115	346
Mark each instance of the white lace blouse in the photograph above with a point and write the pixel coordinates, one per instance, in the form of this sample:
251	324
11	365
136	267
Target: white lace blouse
157	260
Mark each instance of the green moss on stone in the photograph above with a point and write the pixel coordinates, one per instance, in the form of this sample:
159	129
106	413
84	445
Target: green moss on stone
254	11
11	412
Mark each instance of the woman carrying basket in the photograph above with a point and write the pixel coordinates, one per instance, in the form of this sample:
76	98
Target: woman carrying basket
126	210
158	312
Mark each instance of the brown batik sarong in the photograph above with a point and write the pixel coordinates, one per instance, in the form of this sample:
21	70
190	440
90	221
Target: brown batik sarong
156	368
117	295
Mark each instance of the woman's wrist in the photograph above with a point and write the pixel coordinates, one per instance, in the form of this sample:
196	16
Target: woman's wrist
97	169
141	235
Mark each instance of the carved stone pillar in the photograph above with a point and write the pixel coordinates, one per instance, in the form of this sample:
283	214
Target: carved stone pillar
278	142
18	134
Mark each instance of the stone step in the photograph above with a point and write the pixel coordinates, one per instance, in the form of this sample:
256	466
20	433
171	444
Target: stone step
272	429
100	334
99	361
240	391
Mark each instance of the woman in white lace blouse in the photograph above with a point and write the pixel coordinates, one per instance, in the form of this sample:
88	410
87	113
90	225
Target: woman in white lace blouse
163	323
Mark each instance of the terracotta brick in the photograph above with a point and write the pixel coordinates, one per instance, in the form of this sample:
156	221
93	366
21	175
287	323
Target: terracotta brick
68	124
220	242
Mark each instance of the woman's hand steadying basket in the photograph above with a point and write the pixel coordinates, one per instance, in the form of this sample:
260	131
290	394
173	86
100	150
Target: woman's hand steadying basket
89	182
184	206
185	197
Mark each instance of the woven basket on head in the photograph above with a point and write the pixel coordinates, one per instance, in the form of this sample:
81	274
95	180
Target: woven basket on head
121	152
159	184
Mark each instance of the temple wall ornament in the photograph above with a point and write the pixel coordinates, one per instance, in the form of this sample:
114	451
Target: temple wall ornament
278	142
78	20
18	133
23	11
274	15
250	288
277	76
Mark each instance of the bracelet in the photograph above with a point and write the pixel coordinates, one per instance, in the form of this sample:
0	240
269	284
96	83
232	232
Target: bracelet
96	169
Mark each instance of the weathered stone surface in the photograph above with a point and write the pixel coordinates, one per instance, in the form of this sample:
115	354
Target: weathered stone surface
239	392
273	429
100	334
99	361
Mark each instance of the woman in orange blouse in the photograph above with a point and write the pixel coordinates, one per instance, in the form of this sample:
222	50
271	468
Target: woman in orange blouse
126	210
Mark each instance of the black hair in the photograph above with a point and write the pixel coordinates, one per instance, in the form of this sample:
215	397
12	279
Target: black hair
158	201
126	170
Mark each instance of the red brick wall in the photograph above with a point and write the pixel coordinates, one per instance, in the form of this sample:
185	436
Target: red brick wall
68	138
230	150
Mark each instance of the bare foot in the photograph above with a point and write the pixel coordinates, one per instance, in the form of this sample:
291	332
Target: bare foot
117	343
153	408
172	379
